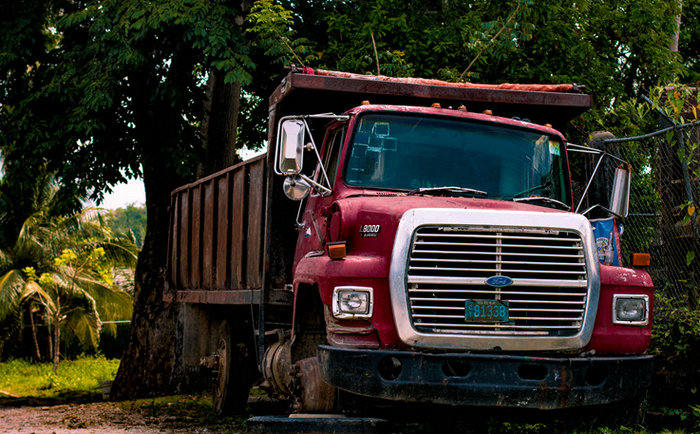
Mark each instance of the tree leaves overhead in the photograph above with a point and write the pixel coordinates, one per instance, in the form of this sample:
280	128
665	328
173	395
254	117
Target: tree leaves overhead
84	72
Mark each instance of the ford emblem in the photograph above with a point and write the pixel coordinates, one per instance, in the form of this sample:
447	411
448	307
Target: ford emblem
499	281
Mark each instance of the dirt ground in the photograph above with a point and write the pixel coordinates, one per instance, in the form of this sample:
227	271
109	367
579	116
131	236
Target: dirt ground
81	418
172	414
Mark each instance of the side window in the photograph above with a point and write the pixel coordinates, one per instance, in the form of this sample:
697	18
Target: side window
330	160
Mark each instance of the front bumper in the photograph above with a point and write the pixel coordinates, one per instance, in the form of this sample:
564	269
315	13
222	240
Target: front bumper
485	379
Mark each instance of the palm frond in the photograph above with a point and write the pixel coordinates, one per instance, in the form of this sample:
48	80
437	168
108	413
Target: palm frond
11	286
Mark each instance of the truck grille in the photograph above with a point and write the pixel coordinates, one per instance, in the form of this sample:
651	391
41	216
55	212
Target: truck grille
450	264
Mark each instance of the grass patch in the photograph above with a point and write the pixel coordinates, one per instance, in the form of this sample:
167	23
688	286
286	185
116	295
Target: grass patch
78	378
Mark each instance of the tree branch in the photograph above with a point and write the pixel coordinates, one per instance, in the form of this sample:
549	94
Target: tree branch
510	18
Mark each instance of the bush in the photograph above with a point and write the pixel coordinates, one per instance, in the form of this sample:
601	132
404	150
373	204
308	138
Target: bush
675	344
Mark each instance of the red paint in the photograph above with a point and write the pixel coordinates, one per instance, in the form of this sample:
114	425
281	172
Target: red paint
339	216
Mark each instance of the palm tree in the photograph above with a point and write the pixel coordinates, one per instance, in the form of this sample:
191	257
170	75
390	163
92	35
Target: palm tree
62	268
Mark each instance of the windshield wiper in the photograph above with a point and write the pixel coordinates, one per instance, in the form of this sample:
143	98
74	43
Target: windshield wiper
448	189
542	199
537	187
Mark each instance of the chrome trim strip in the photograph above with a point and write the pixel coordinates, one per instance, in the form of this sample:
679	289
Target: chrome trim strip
545	221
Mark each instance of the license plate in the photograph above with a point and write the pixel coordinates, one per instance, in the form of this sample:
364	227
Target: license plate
486	311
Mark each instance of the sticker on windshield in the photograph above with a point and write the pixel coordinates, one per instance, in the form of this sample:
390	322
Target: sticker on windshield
554	147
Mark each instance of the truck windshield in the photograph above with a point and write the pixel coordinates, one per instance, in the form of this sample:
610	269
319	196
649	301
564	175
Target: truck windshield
403	152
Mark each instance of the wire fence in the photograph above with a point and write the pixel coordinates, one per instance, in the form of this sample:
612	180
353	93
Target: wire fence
662	216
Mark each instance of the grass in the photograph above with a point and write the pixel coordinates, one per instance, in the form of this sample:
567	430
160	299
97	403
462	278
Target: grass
79	381
75	379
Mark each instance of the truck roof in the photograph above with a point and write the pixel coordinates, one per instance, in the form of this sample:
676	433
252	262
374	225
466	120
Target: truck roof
315	91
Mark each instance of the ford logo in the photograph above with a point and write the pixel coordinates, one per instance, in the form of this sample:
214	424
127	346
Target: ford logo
499	281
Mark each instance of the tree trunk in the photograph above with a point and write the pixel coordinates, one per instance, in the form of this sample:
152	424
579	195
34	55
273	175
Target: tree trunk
48	337
37	353
673	45
220	124
147	364
56	341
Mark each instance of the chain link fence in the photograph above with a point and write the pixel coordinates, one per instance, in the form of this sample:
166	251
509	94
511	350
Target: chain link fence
662	216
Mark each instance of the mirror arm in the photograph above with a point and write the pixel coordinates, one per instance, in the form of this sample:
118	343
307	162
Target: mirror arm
590	181
325	191
318	156
603	208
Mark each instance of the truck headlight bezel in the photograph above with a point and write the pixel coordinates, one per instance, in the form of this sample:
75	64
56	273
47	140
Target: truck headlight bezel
619	299
341	296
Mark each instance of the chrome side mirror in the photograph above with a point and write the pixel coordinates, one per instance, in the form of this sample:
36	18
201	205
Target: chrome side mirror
620	195
290	147
295	187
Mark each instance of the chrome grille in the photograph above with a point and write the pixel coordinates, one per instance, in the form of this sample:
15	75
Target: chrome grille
450	264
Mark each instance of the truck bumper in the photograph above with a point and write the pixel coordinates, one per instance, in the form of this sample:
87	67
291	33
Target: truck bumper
485	379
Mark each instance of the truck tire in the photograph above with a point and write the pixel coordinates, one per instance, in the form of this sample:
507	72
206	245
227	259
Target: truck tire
232	380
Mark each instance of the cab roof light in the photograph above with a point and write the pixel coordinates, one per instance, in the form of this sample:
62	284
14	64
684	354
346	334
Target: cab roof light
641	260
365	102
337	250
462	108
488	112
548	125
435	105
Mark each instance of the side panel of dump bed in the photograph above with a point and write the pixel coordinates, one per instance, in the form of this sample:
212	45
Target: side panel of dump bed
216	236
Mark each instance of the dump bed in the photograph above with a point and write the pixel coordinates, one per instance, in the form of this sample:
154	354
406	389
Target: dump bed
233	235
216	236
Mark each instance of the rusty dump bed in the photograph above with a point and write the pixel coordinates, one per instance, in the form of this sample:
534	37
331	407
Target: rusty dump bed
308	91
216	236
233	235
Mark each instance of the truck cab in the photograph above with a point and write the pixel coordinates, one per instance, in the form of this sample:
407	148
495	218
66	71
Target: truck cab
449	259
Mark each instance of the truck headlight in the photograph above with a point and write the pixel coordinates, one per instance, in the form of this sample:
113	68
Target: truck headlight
631	309
352	302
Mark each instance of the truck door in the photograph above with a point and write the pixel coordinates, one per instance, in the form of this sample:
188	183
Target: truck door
313	231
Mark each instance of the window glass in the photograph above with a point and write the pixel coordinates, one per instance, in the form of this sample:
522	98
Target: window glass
330	160
407	152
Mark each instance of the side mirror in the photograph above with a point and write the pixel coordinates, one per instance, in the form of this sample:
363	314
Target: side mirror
620	195
290	147
295	187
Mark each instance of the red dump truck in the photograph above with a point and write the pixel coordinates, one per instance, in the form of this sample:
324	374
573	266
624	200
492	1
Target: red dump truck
410	240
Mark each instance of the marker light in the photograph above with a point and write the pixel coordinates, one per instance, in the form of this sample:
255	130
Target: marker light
631	309
352	302
641	260
337	250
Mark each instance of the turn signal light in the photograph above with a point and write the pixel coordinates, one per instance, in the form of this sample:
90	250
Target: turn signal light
641	259
337	250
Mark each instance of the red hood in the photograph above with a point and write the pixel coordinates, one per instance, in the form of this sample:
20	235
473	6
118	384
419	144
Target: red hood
387	209
397	203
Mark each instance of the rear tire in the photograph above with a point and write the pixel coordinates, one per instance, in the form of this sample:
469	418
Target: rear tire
233	377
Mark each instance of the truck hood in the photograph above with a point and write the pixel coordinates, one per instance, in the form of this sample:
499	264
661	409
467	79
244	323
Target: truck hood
386	209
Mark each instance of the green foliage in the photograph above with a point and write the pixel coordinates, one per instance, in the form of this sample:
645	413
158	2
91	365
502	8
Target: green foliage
61	267
676	346
130	220
119	89
74	377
